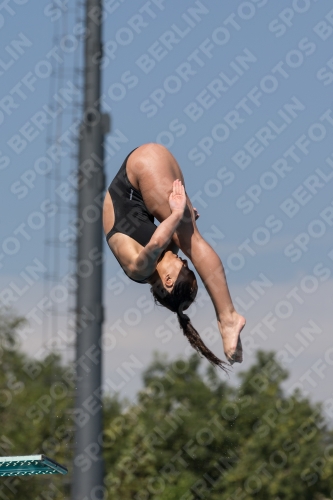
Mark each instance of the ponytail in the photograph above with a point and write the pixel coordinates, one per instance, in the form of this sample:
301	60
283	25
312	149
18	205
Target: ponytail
196	341
181	297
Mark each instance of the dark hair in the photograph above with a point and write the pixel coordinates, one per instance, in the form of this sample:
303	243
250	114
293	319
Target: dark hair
181	297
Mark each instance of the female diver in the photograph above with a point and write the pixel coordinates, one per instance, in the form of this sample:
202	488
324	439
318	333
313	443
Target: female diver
150	185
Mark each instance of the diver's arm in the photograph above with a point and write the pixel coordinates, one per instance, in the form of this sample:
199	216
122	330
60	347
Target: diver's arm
147	259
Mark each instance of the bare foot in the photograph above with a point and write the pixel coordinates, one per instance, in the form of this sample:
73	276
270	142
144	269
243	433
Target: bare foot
230	330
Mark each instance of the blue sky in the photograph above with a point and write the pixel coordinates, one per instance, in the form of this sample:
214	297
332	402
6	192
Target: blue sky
240	92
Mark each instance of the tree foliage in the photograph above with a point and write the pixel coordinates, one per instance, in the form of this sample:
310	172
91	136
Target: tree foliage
33	414
194	436
191	435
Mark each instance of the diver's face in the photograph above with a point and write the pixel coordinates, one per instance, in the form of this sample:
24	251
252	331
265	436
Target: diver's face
172	268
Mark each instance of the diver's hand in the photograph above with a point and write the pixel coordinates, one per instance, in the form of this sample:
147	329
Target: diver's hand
177	199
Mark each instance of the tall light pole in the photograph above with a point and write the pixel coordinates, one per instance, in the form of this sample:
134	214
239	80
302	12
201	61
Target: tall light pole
88	464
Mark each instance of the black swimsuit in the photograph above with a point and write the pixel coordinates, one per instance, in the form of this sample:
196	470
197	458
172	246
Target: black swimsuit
131	216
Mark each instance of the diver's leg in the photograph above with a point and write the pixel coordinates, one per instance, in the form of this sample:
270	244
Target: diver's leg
152	169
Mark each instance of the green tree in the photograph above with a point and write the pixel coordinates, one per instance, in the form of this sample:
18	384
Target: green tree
36	399
190	435
33	413
193	436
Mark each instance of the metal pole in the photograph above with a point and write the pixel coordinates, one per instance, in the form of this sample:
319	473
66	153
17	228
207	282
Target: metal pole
88	464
